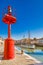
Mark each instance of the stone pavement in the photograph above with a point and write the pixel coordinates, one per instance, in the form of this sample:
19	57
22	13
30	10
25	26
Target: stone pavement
18	60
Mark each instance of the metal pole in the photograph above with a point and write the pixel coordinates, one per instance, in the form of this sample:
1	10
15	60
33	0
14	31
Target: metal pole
9	30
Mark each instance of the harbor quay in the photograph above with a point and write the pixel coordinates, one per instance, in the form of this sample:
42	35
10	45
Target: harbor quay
20	59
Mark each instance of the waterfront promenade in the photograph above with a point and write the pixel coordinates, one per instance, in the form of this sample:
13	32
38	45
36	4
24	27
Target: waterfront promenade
18	60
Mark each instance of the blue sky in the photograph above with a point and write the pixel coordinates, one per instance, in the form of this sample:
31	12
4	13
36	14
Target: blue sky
29	14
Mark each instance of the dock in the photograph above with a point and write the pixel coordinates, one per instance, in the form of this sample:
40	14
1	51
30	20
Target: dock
20	59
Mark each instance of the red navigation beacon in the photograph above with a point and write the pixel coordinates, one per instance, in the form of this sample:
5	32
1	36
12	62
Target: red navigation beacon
9	43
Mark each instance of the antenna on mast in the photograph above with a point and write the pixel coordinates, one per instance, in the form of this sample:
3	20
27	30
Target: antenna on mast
29	37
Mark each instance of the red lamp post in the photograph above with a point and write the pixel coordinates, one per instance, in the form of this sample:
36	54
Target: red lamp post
9	43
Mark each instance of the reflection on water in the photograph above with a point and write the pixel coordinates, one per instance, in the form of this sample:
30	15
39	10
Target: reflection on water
38	50
37	56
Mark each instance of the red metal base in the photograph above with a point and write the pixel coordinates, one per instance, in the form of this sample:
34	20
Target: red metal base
9	49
